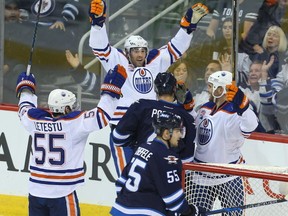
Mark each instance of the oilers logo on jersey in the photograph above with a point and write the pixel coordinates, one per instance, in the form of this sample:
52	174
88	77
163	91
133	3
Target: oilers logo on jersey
205	131
142	80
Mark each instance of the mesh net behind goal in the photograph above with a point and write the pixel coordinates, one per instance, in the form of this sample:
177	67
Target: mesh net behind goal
238	189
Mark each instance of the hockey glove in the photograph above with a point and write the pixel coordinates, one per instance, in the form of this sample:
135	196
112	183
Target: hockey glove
25	82
184	96
193	16
194	211
114	81
97	12
236	96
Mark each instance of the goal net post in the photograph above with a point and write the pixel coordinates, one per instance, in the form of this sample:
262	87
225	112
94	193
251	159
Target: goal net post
236	189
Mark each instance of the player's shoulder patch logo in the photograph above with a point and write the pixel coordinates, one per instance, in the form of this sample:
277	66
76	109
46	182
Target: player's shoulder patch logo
205	131
47	7
171	159
142	80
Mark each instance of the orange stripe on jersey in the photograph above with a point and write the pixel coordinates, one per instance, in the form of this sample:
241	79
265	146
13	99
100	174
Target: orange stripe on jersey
103	117
119	113
56	177
103	54
120	156
71	204
172	52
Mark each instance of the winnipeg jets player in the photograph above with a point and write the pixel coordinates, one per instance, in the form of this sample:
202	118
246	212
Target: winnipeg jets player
222	125
136	128
59	137
151	183
142	64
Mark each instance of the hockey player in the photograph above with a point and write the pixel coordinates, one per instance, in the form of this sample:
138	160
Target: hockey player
135	127
142	64
59	137
222	125
151	183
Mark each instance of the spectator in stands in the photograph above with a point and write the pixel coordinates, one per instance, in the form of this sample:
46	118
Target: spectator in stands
273	94
247	16
223	52
252	90
181	71
55	14
271	12
11	12
274	44
224	44
202	95
222	125
89	81
280	98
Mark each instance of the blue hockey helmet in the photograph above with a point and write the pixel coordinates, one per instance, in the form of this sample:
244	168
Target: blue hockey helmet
166	120
165	83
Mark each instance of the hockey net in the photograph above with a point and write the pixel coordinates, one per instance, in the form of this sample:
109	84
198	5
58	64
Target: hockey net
237	189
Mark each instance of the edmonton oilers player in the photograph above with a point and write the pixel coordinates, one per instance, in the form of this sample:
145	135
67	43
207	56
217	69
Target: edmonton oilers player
142	64
135	127
222	124
150	184
59	138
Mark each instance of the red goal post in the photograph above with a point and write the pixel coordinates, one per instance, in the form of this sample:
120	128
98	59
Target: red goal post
245	189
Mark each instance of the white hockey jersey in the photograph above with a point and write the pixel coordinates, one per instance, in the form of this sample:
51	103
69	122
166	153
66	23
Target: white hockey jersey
221	133
140	81
56	165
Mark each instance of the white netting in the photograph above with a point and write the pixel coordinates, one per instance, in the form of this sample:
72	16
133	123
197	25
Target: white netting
226	187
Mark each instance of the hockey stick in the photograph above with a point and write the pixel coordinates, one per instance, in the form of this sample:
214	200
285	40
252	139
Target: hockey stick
33	39
239	208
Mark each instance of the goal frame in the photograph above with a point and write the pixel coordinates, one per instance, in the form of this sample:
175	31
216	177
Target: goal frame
250	171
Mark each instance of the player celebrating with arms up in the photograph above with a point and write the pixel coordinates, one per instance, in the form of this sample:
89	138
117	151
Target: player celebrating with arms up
59	137
141	64
222	125
151	183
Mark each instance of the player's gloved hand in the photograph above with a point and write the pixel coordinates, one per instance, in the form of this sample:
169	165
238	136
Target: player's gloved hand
194	211
97	12
114	81
236	96
184	96
25	82
193	16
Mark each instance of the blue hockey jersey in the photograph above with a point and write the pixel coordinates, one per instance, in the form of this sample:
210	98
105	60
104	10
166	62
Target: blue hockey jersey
136	128
151	183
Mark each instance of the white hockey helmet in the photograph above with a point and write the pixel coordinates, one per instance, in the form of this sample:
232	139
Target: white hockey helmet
135	41
220	78
58	99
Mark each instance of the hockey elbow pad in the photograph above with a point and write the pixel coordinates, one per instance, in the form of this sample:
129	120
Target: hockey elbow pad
25	82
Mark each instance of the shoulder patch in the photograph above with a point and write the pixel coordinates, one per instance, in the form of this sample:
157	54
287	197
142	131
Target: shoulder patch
171	159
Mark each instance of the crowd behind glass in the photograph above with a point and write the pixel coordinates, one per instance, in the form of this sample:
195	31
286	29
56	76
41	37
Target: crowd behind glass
59	61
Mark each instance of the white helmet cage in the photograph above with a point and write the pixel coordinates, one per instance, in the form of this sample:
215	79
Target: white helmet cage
58	99
135	41
220	78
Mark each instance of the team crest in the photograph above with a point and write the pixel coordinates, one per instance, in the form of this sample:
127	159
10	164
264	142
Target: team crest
142	80
171	159
47	7
205	131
